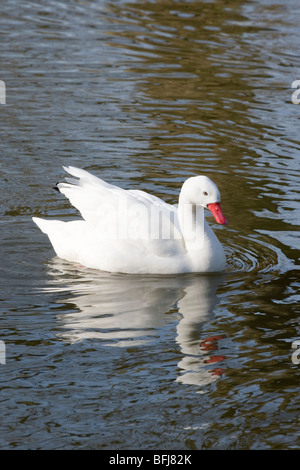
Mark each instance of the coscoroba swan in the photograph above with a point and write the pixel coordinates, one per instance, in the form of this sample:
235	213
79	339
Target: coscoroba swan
131	231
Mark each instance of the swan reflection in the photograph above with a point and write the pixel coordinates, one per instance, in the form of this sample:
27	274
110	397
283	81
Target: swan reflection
196	307
125	310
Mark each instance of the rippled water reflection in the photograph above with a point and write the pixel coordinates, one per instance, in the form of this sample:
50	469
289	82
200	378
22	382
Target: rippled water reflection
145	94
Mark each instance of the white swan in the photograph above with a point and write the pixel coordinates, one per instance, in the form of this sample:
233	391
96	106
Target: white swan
130	231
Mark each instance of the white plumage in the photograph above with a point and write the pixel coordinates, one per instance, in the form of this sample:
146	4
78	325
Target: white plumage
131	231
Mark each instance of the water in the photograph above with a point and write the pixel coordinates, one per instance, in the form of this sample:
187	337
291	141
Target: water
145	94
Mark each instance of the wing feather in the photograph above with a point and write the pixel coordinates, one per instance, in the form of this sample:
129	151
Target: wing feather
101	204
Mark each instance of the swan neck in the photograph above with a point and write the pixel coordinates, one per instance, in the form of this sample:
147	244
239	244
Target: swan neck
192	223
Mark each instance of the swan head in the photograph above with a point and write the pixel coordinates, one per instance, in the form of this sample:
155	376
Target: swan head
201	191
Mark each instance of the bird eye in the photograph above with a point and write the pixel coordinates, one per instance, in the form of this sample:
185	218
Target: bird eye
205	193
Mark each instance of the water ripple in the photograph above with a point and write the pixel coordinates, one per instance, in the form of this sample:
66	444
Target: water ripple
254	256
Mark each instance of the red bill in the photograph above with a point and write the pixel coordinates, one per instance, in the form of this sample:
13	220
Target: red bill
216	211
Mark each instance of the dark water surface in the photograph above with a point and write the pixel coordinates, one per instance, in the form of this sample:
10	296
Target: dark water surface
145	94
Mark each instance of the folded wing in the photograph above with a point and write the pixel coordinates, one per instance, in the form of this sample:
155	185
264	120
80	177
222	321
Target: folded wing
108	207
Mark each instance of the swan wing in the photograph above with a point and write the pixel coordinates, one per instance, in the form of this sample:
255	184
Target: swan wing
87	192
110	208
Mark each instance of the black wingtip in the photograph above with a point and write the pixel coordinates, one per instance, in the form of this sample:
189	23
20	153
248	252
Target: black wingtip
56	188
